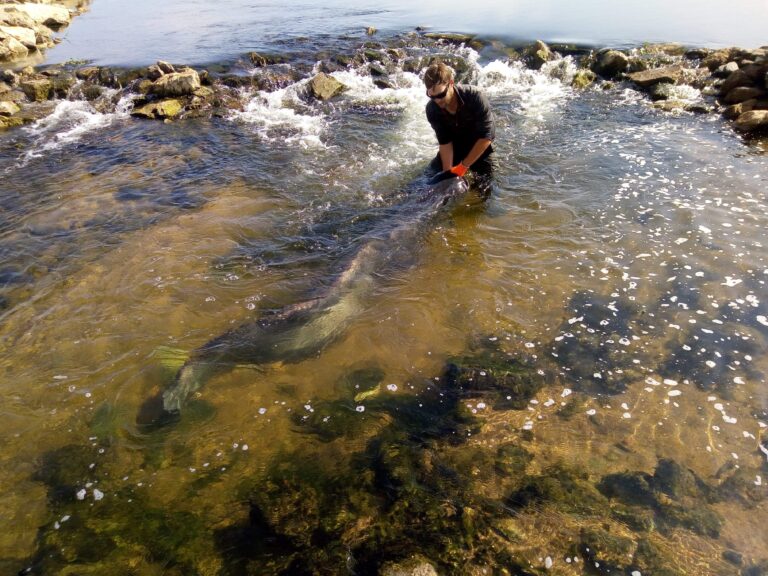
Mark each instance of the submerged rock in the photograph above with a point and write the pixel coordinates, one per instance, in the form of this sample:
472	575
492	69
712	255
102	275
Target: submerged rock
416	566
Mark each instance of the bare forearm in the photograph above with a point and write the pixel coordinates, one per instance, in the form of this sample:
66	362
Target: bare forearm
477	150
446	155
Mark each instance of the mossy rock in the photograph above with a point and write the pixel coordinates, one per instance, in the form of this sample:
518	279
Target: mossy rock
567	489
583	79
512	460
601	546
509	383
161	110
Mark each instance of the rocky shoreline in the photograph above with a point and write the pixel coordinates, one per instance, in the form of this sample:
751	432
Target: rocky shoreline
27	28
732	82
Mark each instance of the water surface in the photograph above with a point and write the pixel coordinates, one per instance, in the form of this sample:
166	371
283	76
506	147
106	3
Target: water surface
614	280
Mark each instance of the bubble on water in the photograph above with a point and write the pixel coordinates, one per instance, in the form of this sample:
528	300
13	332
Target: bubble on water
262	411
674	393
80	494
566	392
591	412
360	409
392	387
97	494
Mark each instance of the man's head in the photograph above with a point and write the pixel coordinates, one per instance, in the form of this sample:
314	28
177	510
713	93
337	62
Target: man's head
438	79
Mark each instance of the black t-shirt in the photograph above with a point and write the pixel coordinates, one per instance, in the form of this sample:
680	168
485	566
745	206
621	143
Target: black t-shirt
473	120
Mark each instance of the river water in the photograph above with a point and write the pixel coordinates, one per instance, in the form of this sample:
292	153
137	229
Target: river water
607	301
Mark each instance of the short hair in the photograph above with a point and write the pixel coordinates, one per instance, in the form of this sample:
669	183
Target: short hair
437	73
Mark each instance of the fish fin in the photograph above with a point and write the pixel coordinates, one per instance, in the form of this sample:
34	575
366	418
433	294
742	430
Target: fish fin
170	358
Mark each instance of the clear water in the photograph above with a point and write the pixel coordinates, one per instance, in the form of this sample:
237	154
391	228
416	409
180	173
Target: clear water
620	260
141	32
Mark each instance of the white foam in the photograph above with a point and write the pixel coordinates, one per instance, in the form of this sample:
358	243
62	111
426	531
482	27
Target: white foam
68	123
282	117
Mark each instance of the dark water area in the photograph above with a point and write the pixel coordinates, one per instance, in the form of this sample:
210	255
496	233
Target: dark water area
565	378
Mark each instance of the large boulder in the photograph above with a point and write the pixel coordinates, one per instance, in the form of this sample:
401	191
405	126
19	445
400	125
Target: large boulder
752	121
164	109
54	17
610	63
666	75
736	79
324	87
12	49
26	36
9	16
37	89
742	94
182	83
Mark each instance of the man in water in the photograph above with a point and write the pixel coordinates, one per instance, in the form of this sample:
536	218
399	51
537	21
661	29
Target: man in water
463	122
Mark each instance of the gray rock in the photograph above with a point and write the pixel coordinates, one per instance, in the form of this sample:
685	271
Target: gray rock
324	87
736	79
648	78
165	67
726	70
154	72
752	121
176	84
610	63
742	94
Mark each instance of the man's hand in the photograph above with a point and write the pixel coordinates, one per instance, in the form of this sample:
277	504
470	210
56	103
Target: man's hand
459	170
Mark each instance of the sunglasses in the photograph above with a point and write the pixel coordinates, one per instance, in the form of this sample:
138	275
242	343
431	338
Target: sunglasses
439	96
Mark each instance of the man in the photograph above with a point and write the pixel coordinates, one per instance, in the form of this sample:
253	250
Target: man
463	123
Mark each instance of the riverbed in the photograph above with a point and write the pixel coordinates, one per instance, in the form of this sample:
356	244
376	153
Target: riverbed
606	309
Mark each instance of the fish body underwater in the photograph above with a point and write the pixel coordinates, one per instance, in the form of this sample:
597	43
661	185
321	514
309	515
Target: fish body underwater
302	330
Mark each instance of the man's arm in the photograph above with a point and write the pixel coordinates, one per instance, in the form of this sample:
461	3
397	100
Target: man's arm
446	155
477	150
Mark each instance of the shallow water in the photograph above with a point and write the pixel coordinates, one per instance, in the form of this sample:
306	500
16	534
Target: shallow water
620	261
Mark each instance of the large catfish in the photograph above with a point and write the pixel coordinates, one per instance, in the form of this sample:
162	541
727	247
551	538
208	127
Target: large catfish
302	330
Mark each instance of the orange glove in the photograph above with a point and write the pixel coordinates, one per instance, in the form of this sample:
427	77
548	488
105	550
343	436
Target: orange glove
459	170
